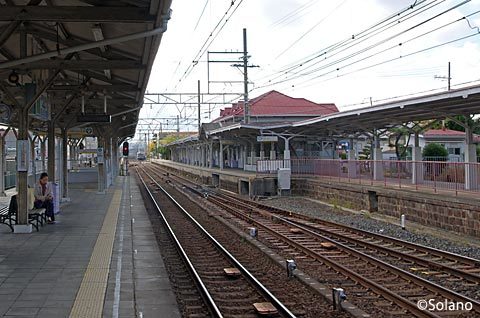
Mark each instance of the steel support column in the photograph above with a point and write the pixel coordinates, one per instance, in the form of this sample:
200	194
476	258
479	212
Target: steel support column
65	165
51	151
22	225
101	166
417	171
2	165
352	164
471	167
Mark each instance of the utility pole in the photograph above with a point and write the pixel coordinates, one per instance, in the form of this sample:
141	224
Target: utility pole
448	77
199	124
246	110
178	127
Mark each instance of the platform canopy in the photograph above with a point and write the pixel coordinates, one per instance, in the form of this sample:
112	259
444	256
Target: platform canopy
54	54
463	101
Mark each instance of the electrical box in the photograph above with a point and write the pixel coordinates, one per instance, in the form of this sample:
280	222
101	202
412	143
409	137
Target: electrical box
284	176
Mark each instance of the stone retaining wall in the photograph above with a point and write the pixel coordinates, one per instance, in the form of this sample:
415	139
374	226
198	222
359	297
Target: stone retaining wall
452	213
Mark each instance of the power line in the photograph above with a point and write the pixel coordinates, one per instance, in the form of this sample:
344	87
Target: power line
376	28
211	37
390	60
293	14
311	29
370	47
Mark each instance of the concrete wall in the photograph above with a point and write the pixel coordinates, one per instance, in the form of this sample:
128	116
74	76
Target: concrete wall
451	213
225	179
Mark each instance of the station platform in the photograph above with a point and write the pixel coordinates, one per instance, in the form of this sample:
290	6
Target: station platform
101	259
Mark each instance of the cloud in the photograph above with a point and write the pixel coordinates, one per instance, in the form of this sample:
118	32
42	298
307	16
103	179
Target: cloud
266	41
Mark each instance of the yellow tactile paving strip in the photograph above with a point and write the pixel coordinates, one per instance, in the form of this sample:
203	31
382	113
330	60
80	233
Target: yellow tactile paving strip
90	296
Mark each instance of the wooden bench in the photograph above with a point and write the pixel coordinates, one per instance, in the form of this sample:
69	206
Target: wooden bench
6	217
9	214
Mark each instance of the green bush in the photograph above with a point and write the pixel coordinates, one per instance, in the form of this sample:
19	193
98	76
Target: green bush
435	150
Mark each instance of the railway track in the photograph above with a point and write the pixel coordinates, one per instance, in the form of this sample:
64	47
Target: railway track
439	266
232	297
355	254
209	262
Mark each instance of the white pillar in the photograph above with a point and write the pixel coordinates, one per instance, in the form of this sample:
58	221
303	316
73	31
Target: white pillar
352	163
272	151
417	168
286	151
210	155
377	156
221	156
244	156
253	154
471	171
262	151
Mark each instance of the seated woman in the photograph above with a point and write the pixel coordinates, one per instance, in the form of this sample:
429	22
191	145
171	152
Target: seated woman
44	197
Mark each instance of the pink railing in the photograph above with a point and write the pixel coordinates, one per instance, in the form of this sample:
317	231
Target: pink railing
434	175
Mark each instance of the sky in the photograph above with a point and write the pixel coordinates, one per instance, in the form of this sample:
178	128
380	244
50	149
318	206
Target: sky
356	61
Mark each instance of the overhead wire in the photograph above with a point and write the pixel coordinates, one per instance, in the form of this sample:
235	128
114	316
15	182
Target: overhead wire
370	47
390	60
361	36
293	13
311	29
210	38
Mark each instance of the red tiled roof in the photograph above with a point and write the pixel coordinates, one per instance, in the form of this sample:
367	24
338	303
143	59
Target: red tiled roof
443	132
449	133
274	103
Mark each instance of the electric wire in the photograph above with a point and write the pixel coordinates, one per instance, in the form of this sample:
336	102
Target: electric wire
365	32
359	38
211	37
311	29
390	60
357	53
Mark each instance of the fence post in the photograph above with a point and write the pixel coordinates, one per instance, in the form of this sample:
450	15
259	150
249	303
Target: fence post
456	180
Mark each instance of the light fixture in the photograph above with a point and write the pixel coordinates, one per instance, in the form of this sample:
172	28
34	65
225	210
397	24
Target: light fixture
13	77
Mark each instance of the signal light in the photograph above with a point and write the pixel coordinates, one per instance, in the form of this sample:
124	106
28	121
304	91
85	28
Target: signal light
125	149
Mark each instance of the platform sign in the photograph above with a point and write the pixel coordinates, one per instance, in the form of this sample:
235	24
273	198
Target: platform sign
23	155
267	139
100	159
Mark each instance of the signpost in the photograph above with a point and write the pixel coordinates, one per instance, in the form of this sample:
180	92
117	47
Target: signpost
267	139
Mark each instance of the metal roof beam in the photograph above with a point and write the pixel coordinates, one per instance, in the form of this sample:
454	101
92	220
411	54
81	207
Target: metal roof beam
81	65
86	46
76	14
50	35
97	88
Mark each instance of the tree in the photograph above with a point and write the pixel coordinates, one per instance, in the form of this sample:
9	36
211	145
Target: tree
401	139
162	150
453	125
435	150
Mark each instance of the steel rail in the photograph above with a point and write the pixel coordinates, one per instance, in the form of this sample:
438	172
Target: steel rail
419	247
202	288
385	292
434	252
279	305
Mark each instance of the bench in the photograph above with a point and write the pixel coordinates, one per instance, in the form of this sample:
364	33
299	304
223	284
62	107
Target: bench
8	215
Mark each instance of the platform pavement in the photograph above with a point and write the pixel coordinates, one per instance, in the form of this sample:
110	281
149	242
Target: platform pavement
41	272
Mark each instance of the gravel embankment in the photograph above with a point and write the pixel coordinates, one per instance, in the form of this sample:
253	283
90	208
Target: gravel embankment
368	223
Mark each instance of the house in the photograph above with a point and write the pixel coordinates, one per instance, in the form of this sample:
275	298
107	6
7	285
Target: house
274	106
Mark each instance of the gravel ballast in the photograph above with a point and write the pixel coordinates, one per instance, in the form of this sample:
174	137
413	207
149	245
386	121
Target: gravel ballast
370	222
